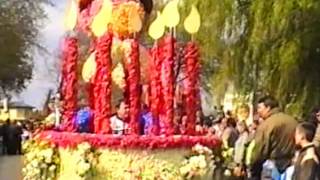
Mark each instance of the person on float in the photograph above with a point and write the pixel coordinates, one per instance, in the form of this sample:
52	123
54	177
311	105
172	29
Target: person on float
273	144
118	121
146	120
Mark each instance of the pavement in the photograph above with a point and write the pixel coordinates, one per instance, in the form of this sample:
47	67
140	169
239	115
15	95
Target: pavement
10	167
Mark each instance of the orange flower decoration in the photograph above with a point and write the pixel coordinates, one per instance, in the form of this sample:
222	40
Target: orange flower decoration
121	16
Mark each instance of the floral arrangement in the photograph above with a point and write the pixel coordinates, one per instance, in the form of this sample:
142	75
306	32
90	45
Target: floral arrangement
135	164
41	161
227	161
86	159
121	15
199	163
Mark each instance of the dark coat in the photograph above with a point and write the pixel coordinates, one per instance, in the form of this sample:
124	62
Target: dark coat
307	165
274	140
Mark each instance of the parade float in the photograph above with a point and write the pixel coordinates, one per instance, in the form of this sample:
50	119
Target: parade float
114	27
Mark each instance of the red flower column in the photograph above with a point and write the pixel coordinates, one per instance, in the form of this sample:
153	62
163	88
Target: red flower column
102	85
191	84
69	83
90	87
168	86
155	88
133	83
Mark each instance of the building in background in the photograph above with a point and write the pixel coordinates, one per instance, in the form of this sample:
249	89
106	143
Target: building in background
16	111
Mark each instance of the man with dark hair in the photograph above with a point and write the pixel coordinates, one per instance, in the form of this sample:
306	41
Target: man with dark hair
307	164
118	124
273	141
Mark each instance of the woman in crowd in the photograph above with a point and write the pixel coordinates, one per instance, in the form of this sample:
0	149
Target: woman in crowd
240	149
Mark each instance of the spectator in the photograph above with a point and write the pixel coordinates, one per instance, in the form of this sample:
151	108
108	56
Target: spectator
273	140
26	133
243	113
253	129
229	133
240	149
4	134
215	111
315	119
241	143
14	139
1	137
307	165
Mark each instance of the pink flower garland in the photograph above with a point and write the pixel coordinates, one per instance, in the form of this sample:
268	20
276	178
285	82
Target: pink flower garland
65	140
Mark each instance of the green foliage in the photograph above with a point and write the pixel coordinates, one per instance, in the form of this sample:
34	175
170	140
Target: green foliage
19	29
271	46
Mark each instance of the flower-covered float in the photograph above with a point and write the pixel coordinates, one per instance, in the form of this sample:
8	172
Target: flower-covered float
84	145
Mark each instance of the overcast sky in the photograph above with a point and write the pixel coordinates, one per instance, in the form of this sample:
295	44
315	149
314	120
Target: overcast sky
51	37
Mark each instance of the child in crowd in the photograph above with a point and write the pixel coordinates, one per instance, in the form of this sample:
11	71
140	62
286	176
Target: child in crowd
307	163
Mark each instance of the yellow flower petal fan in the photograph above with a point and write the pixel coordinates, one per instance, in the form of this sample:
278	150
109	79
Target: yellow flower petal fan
157	28
71	16
171	14
192	22
89	68
118	75
100	22
116	52
135	22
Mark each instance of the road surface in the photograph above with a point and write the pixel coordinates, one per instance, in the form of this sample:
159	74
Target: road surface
10	167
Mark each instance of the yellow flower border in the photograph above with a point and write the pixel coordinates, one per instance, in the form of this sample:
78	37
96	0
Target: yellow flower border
84	162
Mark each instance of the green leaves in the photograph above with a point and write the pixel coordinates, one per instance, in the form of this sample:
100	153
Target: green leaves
273	46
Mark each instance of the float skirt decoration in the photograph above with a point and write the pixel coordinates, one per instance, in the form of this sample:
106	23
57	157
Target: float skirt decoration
94	156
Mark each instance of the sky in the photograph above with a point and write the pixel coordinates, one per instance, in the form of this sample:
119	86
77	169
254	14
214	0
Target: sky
43	78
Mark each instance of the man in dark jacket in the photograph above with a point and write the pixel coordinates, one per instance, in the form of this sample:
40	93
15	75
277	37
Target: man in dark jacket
274	139
14	139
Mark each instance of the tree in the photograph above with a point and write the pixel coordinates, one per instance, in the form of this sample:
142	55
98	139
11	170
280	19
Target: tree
20	22
268	46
